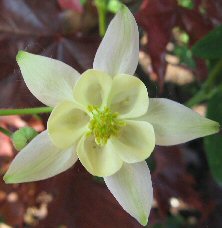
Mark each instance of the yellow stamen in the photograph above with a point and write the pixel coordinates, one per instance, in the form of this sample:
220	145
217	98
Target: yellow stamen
103	124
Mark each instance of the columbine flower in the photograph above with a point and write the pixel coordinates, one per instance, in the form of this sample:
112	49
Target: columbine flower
104	118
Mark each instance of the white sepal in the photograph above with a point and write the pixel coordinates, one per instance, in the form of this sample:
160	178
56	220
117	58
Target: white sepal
132	188
174	123
119	49
39	160
49	80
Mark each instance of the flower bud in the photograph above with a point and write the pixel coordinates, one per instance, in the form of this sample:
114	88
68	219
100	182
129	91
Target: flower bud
22	137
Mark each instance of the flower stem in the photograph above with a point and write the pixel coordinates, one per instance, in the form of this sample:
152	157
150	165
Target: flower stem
102	22
24	111
102	11
208	87
5	131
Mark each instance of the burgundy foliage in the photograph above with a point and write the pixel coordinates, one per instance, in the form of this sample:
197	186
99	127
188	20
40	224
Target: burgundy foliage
158	18
74	5
29	26
77	199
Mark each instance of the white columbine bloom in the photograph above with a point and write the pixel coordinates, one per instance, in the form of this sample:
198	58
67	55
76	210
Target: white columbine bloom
103	118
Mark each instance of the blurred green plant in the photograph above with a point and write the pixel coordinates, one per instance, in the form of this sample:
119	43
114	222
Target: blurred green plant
171	222
210	49
185	55
213	144
104	6
181	48
5	131
186	3
83	1
22	111
114	6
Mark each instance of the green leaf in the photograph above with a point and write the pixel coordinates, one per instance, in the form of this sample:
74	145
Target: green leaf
213	143
185	55
209	47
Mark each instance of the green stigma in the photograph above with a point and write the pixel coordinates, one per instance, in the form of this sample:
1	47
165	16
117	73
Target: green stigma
103	124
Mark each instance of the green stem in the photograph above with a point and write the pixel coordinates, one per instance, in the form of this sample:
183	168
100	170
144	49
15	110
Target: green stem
214	74
102	19
197	98
5	131
24	111
207	87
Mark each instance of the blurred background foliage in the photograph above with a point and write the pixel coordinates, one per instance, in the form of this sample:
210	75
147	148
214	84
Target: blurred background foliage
180	58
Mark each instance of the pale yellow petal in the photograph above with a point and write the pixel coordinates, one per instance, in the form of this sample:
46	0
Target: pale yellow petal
66	124
135	141
98	160
93	88
128	96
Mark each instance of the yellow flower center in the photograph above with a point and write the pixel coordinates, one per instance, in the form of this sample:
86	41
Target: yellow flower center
103	124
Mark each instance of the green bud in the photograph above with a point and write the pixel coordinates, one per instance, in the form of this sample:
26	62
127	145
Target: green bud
22	137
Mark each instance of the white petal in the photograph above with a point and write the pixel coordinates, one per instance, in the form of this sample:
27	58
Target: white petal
93	88
174	123
132	188
128	97
119	49
49	80
39	160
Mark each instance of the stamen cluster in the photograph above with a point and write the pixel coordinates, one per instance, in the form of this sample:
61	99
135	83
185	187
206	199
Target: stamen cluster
103	124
